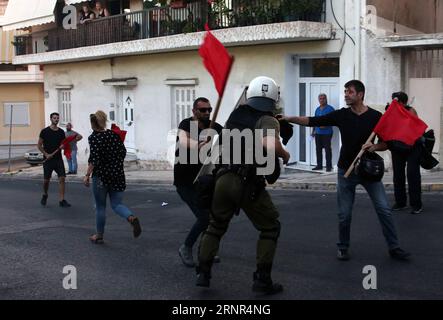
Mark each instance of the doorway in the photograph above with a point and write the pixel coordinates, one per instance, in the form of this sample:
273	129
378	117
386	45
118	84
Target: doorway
126	104
314	76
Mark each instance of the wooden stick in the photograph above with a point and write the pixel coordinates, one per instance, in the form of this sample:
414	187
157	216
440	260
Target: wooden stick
352	166
214	118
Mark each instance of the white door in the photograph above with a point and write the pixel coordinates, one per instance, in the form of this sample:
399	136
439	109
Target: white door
329	88
127	102
309	89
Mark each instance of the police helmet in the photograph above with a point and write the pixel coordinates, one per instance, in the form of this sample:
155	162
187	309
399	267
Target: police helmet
262	94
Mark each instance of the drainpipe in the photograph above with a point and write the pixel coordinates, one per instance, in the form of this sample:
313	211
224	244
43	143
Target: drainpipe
357	58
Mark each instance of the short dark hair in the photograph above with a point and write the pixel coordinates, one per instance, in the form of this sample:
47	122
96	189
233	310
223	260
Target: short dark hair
54	114
401	96
357	85
199	99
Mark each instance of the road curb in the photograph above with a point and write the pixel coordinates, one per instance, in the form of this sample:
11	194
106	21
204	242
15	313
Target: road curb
280	185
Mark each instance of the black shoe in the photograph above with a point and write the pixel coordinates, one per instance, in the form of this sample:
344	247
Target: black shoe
343	255
69	172
203	278
185	254
417	210
136	228
398	207
399	254
317	168
328	169
64	204
217	259
44	200
263	284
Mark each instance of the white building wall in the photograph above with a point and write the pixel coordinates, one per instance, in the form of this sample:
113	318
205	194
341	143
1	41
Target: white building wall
153	97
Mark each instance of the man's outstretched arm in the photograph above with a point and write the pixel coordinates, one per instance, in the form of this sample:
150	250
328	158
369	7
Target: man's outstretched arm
302	121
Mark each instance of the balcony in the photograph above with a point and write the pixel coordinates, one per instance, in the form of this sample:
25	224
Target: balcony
166	21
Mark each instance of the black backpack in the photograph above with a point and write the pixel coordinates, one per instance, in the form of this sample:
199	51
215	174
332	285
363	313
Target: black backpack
427	161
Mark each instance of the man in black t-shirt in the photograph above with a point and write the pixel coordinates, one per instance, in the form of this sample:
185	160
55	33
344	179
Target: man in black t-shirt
49	144
356	124
190	140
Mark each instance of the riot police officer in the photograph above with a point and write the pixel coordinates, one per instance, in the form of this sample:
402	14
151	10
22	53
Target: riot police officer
240	186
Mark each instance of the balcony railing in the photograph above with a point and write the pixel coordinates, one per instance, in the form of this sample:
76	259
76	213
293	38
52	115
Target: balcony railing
164	21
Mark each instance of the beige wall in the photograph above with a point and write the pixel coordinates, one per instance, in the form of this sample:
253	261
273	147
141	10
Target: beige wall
425	92
424	15
32	93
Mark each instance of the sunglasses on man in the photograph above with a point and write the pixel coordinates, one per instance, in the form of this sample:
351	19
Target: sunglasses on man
203	110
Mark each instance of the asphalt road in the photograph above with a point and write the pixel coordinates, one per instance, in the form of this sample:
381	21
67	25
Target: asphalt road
37	242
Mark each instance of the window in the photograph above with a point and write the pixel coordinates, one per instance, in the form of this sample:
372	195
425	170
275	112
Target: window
182	100
12	67
64	106
20	114
315	68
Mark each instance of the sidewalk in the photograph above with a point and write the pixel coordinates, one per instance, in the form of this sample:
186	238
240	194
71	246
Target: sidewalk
292	179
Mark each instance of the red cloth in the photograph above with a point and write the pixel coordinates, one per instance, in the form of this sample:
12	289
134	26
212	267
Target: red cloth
399	124
65	145
216	59
117	130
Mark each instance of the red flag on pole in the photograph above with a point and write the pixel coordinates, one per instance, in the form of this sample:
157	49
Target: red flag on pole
400	125
117	130
66	146
216	59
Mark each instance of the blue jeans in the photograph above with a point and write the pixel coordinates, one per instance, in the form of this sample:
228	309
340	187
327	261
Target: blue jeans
189	196
100	192
346	196
72	163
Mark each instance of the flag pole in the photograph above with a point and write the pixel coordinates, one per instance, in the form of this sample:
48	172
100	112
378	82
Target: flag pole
220	97
214	118
352	166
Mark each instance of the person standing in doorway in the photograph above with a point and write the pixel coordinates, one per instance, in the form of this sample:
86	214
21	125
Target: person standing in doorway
323	135
72	162
49	143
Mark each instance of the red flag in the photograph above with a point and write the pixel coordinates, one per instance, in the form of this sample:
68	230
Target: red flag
400	125
65	145
216	59
117	130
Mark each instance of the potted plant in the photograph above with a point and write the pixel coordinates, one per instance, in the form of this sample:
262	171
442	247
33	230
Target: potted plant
20	46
